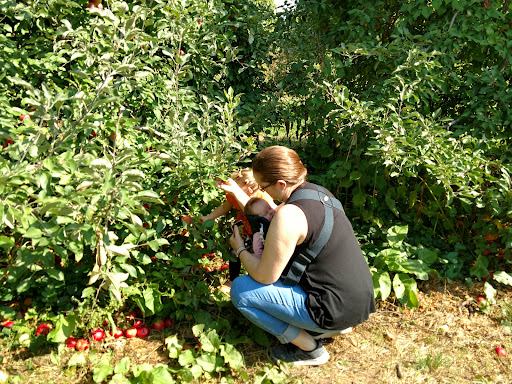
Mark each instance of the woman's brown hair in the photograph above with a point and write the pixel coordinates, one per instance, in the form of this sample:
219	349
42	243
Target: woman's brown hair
279	163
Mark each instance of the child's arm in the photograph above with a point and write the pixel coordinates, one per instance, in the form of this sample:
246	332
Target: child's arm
221	210
234	189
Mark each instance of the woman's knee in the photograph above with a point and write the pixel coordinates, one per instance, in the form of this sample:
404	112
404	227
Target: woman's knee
240	285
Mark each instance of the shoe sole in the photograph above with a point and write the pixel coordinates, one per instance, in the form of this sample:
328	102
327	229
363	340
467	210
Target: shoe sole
328	335
318	361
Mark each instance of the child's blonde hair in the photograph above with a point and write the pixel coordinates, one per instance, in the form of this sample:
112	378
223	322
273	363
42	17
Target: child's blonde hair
244	177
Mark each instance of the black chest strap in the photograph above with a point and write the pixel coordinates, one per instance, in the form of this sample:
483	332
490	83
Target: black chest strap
303	259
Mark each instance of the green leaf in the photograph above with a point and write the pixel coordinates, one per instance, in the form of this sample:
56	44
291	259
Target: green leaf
480	270
404	287
490	293
186	358
103	369
55	274
359	200
157	243
174	346
428	256
210	341
397	234
417	267
160	375
77	359
381	284
355	175
64	328
502	277
208	362
6	242
231	356
123	366
390	202
33	233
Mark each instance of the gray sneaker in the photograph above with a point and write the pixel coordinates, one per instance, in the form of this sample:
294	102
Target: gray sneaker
293	354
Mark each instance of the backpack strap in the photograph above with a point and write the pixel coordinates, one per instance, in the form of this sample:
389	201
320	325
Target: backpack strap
303	259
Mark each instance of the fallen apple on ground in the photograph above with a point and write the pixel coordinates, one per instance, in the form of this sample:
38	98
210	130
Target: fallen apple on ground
82	345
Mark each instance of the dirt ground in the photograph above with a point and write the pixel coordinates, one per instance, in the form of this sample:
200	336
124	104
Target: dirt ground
446	340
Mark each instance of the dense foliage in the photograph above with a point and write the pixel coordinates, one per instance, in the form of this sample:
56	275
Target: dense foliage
409	106
115	117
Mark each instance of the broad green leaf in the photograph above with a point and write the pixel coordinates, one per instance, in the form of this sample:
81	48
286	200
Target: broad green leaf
359	200
209	362
231	356
390	202
381	284
417	267
502	277
186	358
490	293
397	234
404	287
480	270
55	274
102	370
428	256
160	375
174	346
64	327
77	359
6	242
123	366
33	233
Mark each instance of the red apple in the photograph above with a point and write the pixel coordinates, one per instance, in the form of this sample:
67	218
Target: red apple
138	324
169	322
99	6
96	1
23	117
158	325
130	333
71	342
143	332
90	4
501	351
199	22
480	299
181	52
43	329
117	333
82	345
98	334
8	323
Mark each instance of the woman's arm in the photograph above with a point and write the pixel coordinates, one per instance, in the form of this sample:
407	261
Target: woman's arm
288	229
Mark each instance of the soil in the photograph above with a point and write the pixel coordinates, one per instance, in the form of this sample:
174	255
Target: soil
448	339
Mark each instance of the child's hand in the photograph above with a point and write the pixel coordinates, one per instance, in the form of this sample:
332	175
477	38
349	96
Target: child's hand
229	185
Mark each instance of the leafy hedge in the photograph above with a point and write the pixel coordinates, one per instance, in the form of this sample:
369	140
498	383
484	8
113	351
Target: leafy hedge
406	108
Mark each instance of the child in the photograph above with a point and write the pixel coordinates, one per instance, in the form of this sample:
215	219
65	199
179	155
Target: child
245	180
259	213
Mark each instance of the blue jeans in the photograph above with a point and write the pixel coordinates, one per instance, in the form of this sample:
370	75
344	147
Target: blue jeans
276	308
